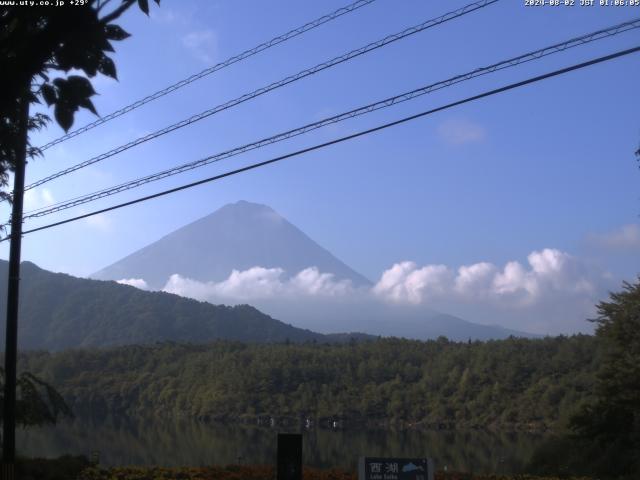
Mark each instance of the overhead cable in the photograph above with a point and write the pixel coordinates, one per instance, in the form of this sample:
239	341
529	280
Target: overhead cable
208	71
281	83
341	139
381	104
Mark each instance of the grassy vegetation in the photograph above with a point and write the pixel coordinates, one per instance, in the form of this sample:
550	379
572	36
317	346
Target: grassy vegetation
236	472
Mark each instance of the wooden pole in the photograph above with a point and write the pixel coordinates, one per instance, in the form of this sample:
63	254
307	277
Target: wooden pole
13	291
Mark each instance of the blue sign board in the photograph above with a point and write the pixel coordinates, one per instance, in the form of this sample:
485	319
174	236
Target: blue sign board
385	468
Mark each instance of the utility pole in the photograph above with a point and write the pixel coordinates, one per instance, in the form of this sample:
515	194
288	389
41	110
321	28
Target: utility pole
13	290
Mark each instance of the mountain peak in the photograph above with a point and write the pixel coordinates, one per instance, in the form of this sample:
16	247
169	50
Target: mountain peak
244	205
248	211
237	236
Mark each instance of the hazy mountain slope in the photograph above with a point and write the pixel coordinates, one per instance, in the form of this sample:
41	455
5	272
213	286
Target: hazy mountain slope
450	326
60	311
243	235
237	236
381	318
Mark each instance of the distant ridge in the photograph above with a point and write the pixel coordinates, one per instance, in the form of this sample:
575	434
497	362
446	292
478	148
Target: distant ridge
237	236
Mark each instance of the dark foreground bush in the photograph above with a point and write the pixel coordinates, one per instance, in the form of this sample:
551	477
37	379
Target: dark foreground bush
565	456
236	472
63	468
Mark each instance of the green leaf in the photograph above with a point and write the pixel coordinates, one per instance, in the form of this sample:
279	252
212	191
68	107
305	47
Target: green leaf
49	94
144	6
76	55
37	122
79	86
64	115
115	32
107	47
73	92
107	67
88	104
90	62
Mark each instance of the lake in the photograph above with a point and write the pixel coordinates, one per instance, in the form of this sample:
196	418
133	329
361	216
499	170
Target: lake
123	441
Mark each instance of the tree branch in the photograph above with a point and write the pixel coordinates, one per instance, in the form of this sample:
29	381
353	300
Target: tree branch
126	4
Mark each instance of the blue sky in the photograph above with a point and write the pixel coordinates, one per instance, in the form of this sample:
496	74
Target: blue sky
548	166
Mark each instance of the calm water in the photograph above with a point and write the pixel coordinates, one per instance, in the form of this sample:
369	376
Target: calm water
175	443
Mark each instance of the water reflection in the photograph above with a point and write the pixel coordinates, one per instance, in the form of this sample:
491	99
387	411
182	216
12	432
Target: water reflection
122	441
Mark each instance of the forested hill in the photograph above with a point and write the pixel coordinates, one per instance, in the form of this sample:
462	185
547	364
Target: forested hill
513	383
59	311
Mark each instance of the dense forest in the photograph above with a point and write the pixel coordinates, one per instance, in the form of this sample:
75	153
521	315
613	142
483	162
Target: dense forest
529	384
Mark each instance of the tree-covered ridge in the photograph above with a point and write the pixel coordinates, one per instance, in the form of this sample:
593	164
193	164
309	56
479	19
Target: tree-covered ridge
59	311
514	383
608	428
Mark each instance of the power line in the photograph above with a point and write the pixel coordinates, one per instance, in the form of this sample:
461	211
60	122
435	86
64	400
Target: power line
281	83
208	71
381	104
342	139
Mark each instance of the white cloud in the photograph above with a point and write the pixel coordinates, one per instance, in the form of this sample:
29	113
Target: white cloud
404	282
184	17
256	282
185	287
36	198
134	282
165	15
512	280
261	283
99	222
551	291
626	237
461	131
203	44
475	280
550	272
311	282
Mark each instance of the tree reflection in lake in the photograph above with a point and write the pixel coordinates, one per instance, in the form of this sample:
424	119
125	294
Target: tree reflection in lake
122	441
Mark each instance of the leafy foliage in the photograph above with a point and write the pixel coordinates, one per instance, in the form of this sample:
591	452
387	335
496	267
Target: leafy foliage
37	402
605	438
610	424
569	455
506	384
39	47
63	468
